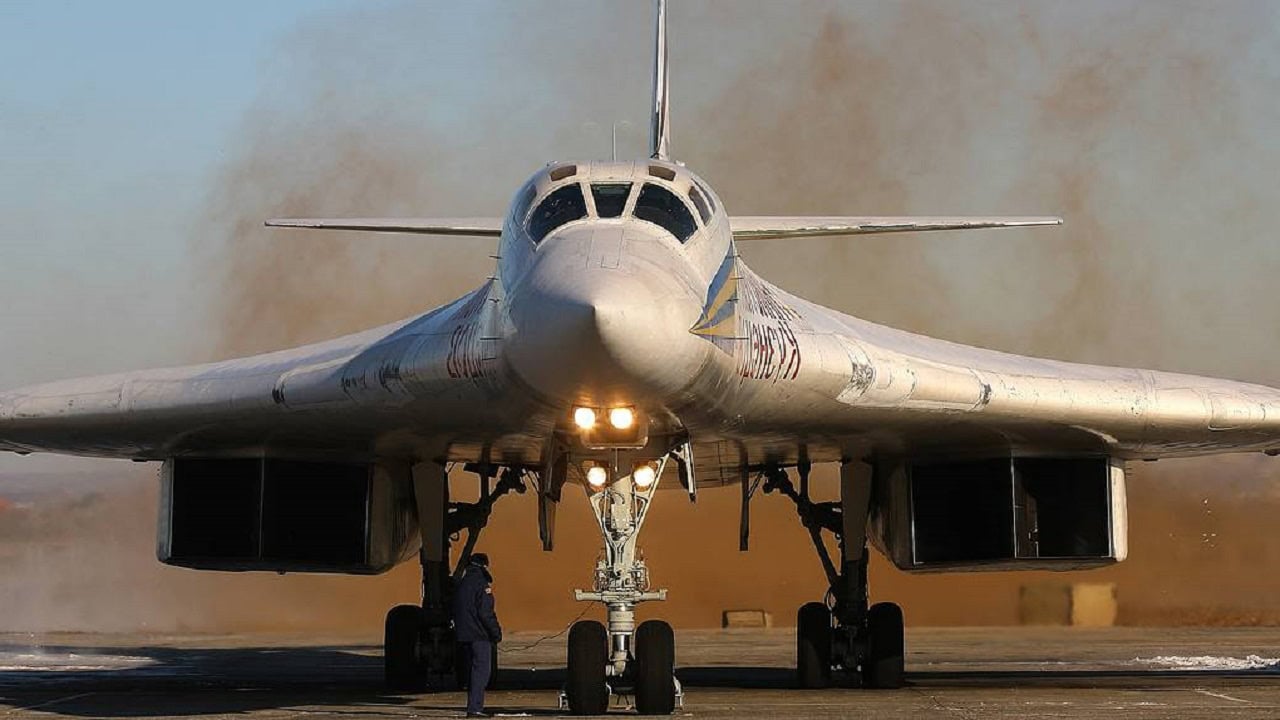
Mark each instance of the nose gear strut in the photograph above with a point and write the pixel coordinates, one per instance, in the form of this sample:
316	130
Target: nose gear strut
622	659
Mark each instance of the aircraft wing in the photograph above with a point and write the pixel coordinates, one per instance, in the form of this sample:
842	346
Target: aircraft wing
383	390
467	227
907	393
766	228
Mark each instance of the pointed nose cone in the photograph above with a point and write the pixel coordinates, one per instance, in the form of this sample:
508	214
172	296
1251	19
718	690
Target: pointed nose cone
604	335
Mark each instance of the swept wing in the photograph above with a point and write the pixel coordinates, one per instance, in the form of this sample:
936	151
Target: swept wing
764	228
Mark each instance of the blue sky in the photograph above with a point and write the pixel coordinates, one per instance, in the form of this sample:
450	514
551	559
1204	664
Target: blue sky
112	115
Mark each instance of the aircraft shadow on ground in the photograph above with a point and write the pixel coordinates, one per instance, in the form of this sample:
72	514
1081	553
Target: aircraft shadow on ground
200	681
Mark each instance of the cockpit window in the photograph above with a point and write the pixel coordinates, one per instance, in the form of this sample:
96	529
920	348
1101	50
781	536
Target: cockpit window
562	206
610	198
696	196
711	202
662	207
665	173
527	196
563	172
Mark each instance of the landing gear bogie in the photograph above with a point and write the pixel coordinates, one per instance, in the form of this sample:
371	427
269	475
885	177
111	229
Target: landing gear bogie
420	648
867	655
864	644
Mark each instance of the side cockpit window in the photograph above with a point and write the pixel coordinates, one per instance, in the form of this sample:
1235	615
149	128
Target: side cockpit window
703	209
521	208
562	206
663	208
610	198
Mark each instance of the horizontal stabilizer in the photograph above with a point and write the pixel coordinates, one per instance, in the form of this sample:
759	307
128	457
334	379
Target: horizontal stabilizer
764	228
471	227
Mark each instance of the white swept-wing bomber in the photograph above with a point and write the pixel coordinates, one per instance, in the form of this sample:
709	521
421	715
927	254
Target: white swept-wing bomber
622	345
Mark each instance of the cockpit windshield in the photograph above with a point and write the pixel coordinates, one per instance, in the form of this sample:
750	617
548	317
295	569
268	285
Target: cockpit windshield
664	209
610	198
560	207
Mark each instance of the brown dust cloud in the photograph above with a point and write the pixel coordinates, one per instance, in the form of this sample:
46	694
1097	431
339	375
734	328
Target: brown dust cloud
1145	125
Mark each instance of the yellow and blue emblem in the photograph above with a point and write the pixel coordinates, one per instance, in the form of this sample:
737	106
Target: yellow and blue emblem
719	313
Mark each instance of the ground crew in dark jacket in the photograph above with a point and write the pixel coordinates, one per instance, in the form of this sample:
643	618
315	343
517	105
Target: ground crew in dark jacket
477	628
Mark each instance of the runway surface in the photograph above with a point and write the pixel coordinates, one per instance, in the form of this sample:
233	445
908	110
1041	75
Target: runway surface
960	673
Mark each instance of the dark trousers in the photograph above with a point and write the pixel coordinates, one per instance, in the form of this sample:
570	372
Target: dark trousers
478	659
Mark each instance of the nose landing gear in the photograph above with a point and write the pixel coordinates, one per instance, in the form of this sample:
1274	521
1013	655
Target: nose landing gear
621	659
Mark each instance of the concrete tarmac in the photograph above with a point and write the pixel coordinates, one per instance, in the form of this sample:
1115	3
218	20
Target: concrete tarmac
960	673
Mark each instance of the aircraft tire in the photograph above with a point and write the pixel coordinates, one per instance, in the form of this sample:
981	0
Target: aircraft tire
585	688
402	669
886	654
655	664
813	646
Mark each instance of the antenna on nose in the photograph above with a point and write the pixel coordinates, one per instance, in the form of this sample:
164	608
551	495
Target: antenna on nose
659	133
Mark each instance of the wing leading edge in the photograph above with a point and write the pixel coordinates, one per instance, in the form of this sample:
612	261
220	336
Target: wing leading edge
767	228
462	226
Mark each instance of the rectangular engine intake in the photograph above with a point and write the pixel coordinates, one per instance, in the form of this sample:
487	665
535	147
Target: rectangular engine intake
1014	513
284	515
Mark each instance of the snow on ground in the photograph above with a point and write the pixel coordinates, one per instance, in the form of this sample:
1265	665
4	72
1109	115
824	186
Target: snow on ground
1210	662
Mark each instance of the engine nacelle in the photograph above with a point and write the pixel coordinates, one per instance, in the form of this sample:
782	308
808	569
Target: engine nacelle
285	515
1009	513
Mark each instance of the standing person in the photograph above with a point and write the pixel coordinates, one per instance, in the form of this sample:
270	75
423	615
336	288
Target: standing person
477	628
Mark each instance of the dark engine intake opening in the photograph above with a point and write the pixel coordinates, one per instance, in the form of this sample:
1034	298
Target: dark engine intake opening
284	515
1019	512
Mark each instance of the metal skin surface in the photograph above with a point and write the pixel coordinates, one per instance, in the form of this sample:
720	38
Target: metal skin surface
617	311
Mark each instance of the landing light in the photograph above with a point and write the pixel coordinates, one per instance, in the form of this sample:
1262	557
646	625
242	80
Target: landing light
597	476
644	475
584	418
622	418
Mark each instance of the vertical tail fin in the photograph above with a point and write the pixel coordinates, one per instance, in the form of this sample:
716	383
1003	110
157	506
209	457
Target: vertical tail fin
659	131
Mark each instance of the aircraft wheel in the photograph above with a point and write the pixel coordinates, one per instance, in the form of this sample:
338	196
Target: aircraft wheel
655	664
585	688
813	646
401	668
886	653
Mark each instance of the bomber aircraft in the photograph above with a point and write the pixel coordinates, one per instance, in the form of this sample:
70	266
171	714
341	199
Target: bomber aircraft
622	345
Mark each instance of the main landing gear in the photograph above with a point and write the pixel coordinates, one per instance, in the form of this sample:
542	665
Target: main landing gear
842	641
419	649
619	658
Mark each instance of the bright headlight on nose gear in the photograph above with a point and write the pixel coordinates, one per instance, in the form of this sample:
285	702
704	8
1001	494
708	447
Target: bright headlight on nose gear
644	475
584	418
622	418
597	476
